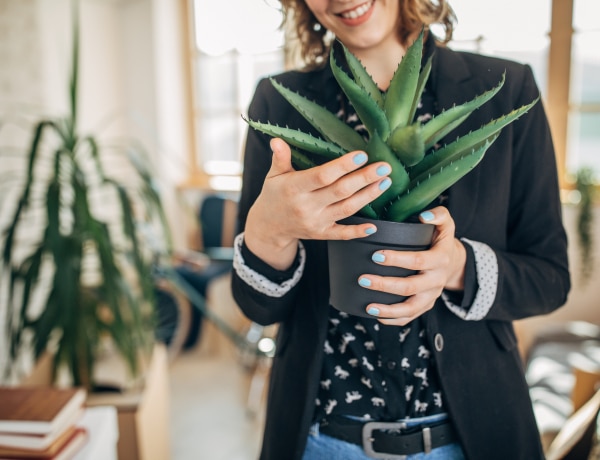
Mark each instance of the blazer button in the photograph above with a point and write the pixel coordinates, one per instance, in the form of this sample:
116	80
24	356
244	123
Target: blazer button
438	341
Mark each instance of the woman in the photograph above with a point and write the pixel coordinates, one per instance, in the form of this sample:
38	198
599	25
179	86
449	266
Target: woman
441	376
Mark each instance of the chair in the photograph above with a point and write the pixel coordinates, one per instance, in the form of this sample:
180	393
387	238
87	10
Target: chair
216	219
563	372
192	278
577	437
179	323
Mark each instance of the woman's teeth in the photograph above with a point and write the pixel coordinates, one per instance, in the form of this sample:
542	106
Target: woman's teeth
357	12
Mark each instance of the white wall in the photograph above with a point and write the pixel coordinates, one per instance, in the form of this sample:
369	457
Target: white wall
130	86
131	75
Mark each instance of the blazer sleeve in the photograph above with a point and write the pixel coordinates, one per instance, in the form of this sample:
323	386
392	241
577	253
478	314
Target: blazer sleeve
533	273
257	306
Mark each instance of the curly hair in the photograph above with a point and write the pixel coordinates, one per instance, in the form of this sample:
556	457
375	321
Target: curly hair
311	41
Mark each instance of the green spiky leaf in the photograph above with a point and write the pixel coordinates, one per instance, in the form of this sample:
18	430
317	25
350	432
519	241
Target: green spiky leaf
330	126
470	140
442	124
299	139
380	151
408	144
423	194
362	77
402	92
372	116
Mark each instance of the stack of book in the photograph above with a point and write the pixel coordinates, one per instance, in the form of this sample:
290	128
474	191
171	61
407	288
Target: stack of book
40	423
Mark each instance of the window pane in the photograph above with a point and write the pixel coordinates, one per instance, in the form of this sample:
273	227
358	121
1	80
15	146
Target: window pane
584	120
512	29
244	25
584	141
215	82
510	25
585	15
253	69
585	68
218	137
238	42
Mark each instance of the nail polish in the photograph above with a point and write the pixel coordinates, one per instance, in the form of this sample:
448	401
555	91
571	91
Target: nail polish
385	184
364	282
384	170
373	311
360	158
427	216
378	257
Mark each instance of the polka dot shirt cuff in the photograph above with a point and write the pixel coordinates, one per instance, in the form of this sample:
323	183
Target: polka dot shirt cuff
260	282
487	279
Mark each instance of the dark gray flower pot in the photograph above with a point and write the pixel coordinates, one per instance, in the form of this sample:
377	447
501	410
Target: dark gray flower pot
349	259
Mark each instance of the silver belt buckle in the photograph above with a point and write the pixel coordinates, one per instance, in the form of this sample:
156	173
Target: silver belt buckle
367	438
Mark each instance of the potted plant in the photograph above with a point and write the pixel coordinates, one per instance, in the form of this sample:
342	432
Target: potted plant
420	172
92	274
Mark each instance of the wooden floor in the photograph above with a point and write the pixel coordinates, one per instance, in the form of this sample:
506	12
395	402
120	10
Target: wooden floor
209	410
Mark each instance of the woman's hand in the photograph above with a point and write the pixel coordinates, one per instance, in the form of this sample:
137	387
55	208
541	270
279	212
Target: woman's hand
307	204
441	267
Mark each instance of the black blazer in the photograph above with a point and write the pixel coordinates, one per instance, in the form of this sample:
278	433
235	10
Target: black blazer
510	201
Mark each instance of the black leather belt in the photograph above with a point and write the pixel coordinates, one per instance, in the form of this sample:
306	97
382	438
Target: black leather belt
389	440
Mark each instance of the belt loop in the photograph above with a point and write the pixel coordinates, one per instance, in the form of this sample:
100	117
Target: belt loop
426	439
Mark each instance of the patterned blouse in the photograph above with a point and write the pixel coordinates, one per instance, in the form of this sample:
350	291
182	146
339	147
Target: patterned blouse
371	370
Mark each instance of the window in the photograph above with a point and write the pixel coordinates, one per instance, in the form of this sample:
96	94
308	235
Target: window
503	32
559	40
235	43
584	109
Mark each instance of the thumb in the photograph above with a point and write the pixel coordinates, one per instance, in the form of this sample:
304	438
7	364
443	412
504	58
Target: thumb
282	158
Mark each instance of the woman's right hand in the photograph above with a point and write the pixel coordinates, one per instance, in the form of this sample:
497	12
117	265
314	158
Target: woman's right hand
307	204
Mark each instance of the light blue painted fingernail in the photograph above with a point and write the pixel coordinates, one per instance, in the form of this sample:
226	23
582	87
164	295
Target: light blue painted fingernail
385	184
427	216
364	282
384	170
360	158
373	311
378	257
370	230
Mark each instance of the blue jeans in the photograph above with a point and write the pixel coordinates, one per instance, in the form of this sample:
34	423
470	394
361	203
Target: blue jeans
322	447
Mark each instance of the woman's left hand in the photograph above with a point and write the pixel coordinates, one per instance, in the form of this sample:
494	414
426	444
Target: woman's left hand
438	268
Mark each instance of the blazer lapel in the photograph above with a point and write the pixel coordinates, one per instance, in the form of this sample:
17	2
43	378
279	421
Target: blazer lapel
453	84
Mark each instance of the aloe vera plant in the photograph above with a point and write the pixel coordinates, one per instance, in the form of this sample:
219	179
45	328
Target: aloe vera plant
420	170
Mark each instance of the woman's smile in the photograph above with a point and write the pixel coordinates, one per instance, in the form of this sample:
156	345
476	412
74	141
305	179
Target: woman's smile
358	14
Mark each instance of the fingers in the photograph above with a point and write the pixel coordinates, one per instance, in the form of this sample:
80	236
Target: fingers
401	314
346	175
438	268
418	300
353	191
440	253
441	218
332	191
281	162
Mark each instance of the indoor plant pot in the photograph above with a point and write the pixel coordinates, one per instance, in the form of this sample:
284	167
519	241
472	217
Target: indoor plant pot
349	259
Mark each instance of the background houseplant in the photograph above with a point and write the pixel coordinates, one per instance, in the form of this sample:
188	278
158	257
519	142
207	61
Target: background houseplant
87	274
586	186
420	170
